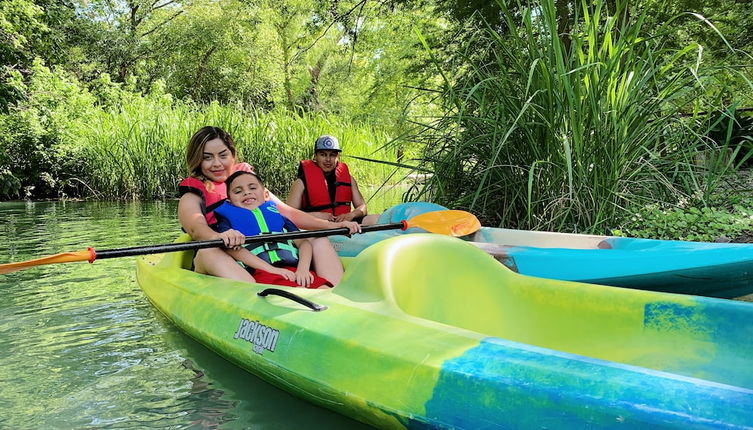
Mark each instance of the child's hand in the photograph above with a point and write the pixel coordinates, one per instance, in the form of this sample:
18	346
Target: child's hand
285	273
304	279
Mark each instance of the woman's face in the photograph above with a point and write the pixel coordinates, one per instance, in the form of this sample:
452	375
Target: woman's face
217	161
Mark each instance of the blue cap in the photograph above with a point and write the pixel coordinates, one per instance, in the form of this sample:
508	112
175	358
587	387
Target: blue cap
327	142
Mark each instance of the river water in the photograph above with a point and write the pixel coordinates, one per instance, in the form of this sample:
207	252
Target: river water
82	347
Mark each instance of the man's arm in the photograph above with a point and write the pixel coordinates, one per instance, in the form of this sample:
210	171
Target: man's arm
295	196
359	204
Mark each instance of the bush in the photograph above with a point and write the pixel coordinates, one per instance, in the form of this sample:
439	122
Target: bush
109	141
545	130
138	151
38	135
698	224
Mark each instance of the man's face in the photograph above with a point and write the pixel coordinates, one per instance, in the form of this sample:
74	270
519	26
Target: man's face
326	159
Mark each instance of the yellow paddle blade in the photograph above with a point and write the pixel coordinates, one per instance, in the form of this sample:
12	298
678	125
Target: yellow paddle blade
450	222
65	257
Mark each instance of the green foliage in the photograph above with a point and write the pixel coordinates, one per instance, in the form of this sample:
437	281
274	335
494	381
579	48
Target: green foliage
728	213
64	140
38	135
698	224
138	151
349	58
19	22
219	52
555	131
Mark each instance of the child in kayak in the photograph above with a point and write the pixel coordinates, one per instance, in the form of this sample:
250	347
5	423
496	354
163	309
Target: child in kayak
249	210
211	157
325	189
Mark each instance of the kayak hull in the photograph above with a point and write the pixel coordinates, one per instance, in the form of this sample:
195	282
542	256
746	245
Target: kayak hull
430	332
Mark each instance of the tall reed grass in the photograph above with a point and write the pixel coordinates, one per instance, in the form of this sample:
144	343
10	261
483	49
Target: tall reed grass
564	131
138	150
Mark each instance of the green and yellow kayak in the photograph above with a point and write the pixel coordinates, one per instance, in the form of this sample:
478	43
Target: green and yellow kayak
429	331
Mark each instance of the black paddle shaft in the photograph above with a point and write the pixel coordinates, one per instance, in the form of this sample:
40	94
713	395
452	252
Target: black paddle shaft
275	237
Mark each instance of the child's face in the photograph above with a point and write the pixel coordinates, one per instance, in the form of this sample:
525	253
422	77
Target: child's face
326	159
247	192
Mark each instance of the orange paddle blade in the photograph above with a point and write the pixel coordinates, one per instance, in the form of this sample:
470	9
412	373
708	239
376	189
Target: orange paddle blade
449	222
65	257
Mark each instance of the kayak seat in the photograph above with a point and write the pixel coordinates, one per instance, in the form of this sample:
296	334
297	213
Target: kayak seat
414	274
182	259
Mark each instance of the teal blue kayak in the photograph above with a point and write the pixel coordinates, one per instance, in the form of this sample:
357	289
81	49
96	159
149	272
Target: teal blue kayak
700	268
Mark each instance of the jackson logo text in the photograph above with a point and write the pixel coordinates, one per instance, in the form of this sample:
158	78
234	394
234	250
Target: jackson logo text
259	335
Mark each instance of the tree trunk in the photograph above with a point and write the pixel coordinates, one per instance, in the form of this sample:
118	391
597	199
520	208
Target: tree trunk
200	71
563	23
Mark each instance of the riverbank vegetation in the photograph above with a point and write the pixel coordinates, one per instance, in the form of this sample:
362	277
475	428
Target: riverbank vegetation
603	116
545	127
133	145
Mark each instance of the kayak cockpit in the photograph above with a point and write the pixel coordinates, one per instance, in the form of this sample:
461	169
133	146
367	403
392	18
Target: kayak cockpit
448	281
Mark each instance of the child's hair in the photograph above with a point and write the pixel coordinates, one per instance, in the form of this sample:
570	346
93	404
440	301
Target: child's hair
234	176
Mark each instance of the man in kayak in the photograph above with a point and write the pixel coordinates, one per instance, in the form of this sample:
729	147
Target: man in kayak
211	158
249	211
325	189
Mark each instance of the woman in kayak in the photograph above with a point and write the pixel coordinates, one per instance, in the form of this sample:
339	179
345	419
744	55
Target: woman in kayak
325	189
211	159
249	210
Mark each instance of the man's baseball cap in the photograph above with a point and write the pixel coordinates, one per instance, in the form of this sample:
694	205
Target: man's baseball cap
327	142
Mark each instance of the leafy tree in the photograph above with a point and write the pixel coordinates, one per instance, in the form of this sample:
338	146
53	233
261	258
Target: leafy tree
120	35
221	52
20	23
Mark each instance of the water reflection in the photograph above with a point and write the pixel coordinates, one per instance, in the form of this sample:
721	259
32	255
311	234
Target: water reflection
81	347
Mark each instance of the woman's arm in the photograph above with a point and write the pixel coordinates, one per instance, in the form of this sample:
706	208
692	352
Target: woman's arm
195	224
309	222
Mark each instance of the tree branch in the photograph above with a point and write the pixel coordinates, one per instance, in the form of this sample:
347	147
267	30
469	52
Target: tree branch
339	18
162	23
155	6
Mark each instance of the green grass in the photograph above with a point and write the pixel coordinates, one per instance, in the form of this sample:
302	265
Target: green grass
63	141
137	151
564	132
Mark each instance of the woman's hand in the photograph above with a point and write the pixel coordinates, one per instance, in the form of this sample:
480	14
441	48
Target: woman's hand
304	279
233	239
354	227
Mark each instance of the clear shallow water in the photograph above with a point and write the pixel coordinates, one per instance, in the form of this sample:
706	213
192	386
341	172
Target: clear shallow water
82	347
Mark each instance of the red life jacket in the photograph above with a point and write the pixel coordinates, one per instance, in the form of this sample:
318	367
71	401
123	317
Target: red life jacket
210	200
317	192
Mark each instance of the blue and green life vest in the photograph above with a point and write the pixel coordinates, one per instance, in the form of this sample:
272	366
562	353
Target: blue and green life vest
263	220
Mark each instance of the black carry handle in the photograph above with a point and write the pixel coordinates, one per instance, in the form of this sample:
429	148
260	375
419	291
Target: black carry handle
294	297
